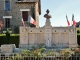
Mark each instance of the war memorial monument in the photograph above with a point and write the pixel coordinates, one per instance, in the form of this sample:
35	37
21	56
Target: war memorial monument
47	36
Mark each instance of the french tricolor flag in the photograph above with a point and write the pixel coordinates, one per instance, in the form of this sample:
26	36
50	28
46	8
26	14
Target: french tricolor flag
31	20
74	22
67	21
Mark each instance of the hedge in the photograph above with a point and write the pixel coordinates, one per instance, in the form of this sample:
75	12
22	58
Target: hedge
78	39
14	39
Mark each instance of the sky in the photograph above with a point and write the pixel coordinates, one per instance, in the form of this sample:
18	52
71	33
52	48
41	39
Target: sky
58	10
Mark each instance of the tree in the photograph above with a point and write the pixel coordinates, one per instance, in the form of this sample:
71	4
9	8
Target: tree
7	36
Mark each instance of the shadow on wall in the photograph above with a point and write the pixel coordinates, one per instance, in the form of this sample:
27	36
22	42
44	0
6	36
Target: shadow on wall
16	30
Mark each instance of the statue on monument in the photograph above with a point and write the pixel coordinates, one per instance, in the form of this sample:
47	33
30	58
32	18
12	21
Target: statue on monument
48	28
47	16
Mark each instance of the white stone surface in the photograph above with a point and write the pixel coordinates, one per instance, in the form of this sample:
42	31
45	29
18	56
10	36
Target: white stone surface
49	35
7	48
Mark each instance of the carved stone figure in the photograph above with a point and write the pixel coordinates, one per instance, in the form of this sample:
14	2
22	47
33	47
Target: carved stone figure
47	16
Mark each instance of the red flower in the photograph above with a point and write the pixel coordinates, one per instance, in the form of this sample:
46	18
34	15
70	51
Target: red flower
77	50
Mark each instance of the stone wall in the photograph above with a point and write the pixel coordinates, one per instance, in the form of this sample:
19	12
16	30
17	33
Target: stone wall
37	14
2	9
7	48
57	35
16	13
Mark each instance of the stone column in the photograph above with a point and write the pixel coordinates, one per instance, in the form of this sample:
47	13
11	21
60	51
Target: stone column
48	29
73	37
23	37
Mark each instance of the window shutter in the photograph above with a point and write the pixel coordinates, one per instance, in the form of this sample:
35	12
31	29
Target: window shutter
25	15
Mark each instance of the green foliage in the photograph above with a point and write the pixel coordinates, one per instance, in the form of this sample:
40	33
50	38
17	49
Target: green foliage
33	47
10	34
2	34
7	36
78	31
78	28
26	52
2	40
78	34
50	53
14	34
7	31
40	46
36	52
16	57
14	39
67	53
78	39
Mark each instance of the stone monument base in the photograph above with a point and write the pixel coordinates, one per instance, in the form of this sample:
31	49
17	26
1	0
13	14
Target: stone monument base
7	48
26	46
74	45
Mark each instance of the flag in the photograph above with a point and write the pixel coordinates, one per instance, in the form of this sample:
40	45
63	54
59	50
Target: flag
23	24
74	22
67	21
1	24
31	20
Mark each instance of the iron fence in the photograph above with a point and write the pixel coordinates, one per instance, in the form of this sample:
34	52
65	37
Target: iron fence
20	57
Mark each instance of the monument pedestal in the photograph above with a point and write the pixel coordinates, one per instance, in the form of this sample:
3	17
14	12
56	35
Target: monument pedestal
48	33
7	48
56	37
74	45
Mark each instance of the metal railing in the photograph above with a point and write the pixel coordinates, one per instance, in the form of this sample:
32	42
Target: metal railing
19	57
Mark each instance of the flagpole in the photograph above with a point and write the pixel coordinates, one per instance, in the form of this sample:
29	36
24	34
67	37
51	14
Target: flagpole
67	21
71	23
72	20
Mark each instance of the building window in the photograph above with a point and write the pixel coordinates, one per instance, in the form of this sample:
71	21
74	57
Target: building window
7	4
7	22
25	15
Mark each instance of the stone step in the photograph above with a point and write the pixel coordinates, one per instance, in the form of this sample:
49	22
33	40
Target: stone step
62	46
